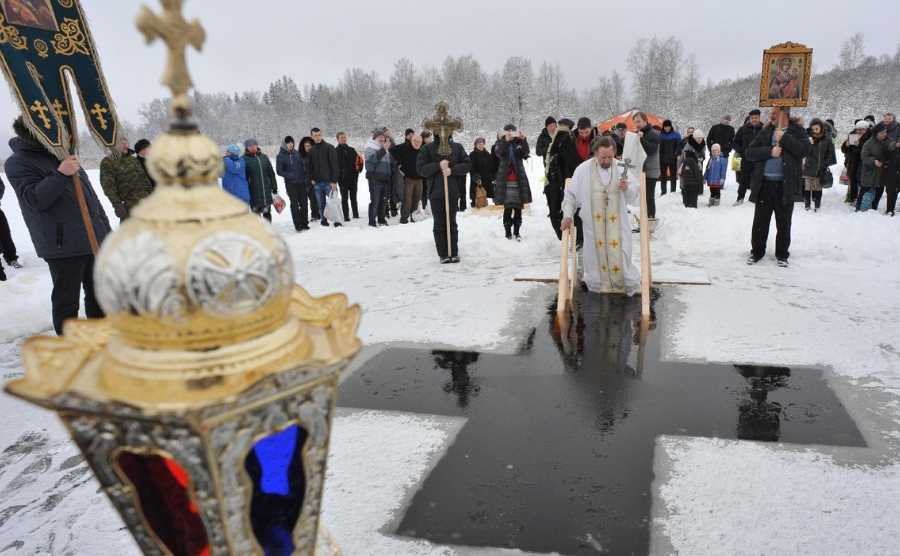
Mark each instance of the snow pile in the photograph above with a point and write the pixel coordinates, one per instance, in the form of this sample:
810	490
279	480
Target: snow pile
727	497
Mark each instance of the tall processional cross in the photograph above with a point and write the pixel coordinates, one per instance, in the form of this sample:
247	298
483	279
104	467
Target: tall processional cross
443	126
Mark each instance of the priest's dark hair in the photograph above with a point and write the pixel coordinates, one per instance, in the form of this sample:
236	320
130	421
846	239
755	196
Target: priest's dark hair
602	142
315	130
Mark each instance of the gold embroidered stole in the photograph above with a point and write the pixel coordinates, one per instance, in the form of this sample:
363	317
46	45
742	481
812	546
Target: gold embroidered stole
607	229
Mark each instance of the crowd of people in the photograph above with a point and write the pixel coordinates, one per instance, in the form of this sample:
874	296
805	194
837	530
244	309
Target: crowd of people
779	163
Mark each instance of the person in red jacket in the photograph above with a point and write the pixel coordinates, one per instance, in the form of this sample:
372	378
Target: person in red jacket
583	138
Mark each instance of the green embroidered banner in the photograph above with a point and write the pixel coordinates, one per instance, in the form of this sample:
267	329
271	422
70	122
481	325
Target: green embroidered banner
42	41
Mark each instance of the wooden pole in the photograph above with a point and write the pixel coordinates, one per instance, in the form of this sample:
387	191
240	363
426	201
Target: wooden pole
563	294
573	277
646	278
85	215
447	216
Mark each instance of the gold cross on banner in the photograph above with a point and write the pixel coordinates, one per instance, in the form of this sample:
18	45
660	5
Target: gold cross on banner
178	33
98	111
443	126
40	109
59	108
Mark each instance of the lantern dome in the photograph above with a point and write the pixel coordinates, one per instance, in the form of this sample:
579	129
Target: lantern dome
192	268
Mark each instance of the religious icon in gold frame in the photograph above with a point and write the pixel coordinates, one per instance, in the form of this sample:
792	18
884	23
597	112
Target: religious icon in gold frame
37	14
786	72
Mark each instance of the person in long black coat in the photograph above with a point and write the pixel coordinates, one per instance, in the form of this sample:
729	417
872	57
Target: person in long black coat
816	165
723	134
512	189
542	146
853	156
563	159
742	139
46	195
432	167
776	185
484	170
348	176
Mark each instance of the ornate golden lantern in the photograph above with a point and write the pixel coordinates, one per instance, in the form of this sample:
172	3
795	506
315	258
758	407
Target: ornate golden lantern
204	401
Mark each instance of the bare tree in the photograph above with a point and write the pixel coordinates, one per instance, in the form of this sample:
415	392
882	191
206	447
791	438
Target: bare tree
853	52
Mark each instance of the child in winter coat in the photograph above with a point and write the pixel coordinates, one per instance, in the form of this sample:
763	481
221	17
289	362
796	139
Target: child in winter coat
691	178
716	170
234	180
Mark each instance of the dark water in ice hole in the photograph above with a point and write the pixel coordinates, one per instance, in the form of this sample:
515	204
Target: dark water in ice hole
557	450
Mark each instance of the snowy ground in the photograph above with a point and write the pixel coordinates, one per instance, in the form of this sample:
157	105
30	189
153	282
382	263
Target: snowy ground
835	307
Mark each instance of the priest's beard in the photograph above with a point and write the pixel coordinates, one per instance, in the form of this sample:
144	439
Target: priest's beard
606	165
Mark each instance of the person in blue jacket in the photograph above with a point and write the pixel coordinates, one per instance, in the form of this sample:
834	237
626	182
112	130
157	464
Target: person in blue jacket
716	170
234	180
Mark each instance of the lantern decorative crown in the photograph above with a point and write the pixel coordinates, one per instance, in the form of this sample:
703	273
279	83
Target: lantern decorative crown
204	400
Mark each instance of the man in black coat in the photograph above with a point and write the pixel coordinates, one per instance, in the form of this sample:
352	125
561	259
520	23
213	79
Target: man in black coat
542	145
562	160
433	168
742	140
407	156
777	153
348	176
289	165
50	209
722	134
324	172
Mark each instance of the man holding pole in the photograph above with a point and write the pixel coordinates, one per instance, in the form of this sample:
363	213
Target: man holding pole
49	199
444	165
603	191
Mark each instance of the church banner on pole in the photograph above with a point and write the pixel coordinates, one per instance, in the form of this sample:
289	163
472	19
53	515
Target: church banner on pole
43	45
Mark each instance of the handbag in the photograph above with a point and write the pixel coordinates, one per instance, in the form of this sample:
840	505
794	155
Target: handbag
480	196
826	180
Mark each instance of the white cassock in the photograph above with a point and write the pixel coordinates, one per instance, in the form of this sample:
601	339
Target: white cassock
607	229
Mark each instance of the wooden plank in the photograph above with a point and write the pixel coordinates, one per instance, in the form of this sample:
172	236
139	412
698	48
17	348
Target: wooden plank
646	277
656	283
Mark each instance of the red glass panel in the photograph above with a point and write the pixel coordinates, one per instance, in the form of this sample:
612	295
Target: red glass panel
161	487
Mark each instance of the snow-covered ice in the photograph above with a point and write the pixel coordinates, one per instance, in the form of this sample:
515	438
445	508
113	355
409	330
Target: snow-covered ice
835	306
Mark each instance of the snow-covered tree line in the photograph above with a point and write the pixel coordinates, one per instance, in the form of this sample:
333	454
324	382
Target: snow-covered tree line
663	79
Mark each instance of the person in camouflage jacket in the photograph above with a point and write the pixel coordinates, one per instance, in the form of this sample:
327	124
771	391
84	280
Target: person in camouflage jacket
124	180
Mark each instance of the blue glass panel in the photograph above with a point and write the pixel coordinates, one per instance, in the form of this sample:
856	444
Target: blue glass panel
275	467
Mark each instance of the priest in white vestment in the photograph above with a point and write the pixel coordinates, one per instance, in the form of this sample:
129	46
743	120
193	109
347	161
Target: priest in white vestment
600	189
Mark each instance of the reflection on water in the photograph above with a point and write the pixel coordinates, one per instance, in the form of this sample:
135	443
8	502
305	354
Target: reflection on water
461	383
759	418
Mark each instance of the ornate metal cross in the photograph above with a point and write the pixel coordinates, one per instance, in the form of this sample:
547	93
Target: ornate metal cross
626	165
443	126
177	33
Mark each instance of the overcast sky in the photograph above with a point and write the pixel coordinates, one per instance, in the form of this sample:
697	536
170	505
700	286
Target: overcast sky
251	43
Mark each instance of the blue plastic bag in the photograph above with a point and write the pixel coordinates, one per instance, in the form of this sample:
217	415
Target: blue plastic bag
868	197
